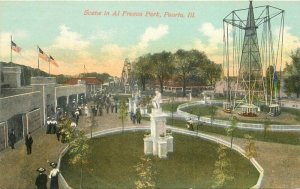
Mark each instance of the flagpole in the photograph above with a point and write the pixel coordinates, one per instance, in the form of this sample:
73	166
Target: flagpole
38	60
49	65
10	50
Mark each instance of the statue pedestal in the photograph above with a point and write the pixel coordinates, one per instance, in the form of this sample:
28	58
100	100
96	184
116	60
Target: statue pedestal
148	145
162	148
170	143
160	142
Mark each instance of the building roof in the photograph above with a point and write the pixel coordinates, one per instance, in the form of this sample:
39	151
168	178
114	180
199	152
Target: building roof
88	81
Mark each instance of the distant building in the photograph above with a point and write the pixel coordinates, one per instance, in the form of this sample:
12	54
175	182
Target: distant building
92	84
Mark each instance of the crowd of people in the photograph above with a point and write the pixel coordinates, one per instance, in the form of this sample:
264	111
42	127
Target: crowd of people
54	125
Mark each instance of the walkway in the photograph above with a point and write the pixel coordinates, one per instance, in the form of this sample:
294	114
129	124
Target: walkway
18	170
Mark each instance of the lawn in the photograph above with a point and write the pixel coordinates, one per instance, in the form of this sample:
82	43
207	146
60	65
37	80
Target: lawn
286	137
288	116
170	107
114	158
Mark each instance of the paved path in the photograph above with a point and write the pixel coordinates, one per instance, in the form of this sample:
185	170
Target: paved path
18	170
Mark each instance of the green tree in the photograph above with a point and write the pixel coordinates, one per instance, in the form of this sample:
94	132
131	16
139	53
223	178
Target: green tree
66	129
162	67
61	79
292	81
212	72
123	112
79	150
222	173
231	129
185	64
250	148
142	69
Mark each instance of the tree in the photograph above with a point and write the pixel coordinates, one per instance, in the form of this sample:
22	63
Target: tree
142	70
231	129
250	148
66	129
123	112
79	150
292	81
162	67
214	72
185	64
145	173
222	173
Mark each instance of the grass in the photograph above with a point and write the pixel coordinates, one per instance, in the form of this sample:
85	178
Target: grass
202	110
271	136
169	107
292	111
288	116
191	165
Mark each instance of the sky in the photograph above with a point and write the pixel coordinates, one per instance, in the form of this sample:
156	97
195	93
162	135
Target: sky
100	35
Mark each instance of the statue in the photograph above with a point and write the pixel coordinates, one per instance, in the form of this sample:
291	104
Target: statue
157	100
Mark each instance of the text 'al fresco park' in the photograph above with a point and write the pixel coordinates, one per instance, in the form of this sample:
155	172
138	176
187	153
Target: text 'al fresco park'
125	13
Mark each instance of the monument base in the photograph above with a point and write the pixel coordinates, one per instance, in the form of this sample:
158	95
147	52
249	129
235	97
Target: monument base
158	143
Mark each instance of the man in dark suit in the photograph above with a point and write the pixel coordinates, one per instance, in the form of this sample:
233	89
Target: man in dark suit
41	179
28	142
12	139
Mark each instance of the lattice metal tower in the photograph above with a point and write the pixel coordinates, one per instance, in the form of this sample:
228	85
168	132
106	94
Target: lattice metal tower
249	50
250	71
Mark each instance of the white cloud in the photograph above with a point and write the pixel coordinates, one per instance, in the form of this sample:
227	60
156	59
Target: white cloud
215	35
213	46
290	43
103	35
152	34
70	40
4	44
5	41
112	56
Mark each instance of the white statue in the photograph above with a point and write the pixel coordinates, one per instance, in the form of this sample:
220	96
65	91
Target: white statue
157	100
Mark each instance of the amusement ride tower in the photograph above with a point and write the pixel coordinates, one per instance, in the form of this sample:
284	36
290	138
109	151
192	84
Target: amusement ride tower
249	57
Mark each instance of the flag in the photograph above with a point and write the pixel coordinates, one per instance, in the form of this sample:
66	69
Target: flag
52	61
15	47
43	55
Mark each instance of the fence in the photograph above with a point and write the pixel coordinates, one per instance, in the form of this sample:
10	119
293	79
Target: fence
63	184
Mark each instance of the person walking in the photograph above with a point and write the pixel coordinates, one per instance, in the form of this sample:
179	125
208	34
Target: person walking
28	143
58	132
138	116
54	176
41	179
12	139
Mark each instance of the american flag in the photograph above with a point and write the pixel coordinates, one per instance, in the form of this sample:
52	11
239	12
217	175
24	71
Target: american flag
52	61
15	47
43	55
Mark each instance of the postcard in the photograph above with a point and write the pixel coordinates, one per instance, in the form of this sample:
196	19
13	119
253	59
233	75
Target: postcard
149	94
